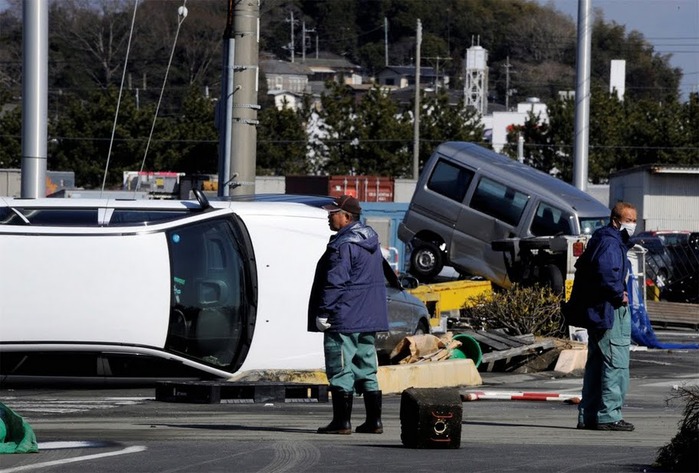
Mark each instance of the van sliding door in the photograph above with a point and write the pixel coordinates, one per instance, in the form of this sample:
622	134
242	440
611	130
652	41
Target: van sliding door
493	212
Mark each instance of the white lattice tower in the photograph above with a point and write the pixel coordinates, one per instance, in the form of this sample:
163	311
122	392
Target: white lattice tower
476	78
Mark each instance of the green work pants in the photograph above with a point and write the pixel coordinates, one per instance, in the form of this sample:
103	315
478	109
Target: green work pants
350	361
606	377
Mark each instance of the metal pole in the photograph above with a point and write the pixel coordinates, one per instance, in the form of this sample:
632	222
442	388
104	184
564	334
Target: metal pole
385	40
520	148
582	95
35	63
416	121
226	106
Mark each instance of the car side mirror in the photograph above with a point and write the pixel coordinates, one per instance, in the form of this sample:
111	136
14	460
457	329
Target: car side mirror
408	282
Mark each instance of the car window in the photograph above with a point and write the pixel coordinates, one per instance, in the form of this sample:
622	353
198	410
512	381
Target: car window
450	181
499	201
589	225
550	220
140	216
50	216
674	238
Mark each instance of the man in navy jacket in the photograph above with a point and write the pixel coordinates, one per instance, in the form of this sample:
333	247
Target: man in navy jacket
348	304
600	291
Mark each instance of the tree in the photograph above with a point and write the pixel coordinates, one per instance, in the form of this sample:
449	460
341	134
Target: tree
442	121
336	126
187	142
282	143
539	151
383	136
11	138
81	139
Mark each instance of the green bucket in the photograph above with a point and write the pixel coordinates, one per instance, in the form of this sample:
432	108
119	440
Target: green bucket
469	349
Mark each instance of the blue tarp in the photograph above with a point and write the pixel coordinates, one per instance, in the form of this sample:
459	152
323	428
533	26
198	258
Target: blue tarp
641	330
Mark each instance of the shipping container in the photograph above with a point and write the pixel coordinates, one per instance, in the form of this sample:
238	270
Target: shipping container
384	217
56	181
364	188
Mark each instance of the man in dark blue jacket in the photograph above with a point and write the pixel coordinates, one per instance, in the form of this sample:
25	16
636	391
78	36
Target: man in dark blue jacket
348	304
600	293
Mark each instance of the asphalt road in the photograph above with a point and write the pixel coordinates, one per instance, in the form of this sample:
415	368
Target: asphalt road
126	430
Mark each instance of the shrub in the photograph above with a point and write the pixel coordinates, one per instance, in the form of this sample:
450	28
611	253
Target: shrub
519	310
681	453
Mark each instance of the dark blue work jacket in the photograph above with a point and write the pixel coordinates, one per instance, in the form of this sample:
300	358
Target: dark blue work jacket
600	277
349	287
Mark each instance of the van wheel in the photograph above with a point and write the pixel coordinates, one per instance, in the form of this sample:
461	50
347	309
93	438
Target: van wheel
426	261
550	276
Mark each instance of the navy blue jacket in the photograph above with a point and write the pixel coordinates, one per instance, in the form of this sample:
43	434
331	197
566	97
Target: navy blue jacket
349	286
600	277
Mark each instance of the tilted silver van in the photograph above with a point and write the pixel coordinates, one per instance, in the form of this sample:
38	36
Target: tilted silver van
468	196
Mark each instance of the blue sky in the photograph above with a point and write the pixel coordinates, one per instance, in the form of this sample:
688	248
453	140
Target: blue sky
671	26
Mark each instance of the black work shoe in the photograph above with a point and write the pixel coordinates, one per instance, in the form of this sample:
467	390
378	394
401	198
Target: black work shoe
620	425
588	426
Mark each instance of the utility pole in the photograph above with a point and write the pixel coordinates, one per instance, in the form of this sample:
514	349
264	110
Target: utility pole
291	44
416	121
304	33
246	15
385	39
507	84
437	59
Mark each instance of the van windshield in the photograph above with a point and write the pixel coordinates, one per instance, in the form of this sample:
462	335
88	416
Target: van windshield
588	225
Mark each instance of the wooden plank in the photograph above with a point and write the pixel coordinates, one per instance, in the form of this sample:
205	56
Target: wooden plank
502	338
524	350
665	314
486	341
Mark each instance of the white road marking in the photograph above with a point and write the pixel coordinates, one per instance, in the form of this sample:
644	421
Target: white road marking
65	461
68	406
73	444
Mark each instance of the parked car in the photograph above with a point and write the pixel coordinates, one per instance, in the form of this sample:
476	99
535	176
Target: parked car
668	237
407	315
677	252
658	259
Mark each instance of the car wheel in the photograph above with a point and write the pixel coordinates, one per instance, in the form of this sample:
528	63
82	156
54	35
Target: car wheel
422	328
551	277
426	261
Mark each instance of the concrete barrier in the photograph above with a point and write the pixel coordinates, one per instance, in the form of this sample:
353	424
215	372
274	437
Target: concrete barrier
571	360
392	378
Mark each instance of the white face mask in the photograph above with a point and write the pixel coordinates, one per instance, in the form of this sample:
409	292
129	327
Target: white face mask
629	227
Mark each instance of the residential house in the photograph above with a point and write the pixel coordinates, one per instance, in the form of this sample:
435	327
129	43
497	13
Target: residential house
404	76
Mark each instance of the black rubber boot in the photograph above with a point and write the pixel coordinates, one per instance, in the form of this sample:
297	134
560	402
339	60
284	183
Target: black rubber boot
342	412
373	424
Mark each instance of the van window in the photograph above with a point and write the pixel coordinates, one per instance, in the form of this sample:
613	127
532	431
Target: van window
549	220
499	201
449	180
